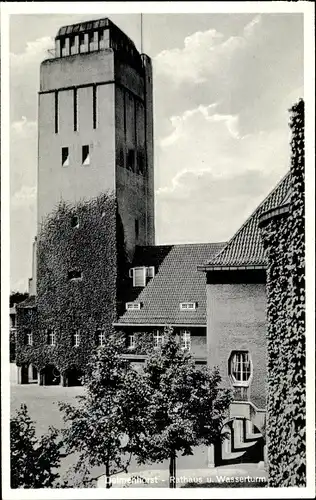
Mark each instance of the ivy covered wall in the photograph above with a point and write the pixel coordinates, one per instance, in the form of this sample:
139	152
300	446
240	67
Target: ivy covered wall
86	238
283	235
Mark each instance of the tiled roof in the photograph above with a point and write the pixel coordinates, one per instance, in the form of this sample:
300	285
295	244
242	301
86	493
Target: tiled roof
245	248
176	280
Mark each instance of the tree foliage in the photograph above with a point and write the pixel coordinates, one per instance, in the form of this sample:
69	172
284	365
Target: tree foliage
284	239
185	406
101	428
33	460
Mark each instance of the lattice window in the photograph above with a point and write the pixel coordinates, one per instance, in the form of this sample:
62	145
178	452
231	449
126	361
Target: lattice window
240	367
185	340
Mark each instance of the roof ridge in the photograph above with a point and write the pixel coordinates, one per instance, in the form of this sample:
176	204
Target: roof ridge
250	217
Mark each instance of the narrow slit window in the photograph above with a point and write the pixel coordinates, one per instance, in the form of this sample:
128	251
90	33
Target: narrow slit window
85	155
75	110
136	229
94	103
65	157
56	112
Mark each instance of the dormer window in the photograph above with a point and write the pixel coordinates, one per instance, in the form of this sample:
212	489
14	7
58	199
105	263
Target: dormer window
188	306
133	306
140	275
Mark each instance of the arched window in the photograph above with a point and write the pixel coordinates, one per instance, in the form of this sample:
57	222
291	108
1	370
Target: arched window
240	368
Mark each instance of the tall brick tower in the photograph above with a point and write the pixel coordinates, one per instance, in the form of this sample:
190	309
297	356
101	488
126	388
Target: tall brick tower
95	191
95	124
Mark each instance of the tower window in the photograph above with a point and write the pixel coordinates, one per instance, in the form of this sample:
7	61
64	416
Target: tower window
28	338
75	110
65	157
136	229
74	275
185	340
51	338
239	367
75	221
131	159
76	339
81	38
85	155
94	106
56	112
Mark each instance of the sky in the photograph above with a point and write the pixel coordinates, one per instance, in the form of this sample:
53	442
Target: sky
223	84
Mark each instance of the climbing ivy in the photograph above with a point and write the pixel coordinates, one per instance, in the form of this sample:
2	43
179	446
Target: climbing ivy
284	243
86	237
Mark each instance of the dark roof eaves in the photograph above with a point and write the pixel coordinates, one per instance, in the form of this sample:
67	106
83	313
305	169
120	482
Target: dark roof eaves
241	267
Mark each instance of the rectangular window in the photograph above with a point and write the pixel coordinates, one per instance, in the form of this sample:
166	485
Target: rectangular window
100	338
131	341
91	37
187	306
240	367
51	338
56	112
85	155
158	339
185	340
131	306
150	272
81	39
139	276
136	229
75	110
94	105
74	274
65	157
28	339
76	339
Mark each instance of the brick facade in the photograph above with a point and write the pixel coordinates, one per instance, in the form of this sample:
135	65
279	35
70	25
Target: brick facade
237	321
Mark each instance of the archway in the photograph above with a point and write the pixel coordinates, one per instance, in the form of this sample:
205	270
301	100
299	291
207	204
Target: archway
73	377
51	375
243	443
